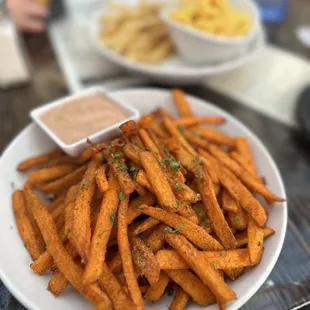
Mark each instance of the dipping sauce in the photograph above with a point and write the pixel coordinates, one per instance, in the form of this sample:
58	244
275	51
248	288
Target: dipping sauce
80	118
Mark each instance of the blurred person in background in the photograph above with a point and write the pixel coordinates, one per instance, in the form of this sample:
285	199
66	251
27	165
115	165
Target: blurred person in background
28	15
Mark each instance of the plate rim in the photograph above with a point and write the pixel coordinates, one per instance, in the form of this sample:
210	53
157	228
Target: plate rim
26	301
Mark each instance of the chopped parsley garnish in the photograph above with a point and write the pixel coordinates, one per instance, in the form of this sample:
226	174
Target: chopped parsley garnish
68	230
196	134
179	186
214	265
197	160
198	195
113	216
122	167
117	155
198	172
181	130
148	149
133	168
121	196
222	253
237	220
179	202
171	231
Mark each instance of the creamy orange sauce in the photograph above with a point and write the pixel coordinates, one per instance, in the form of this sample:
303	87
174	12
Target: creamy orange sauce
80	118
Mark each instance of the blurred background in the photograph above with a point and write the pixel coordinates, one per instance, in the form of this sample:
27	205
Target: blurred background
265	87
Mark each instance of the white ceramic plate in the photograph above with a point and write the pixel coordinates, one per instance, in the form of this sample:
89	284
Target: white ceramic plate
175	69
30	289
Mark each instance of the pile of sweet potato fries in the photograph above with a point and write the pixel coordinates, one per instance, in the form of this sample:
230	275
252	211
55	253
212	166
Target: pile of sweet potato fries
170	202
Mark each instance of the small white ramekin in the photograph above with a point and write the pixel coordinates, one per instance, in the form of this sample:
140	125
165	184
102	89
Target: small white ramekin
198	47
105	134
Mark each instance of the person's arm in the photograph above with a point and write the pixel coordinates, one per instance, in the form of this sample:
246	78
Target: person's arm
28	15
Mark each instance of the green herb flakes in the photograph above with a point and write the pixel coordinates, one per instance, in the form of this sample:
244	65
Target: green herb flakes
181	130
113	216
197	160
121	196
179	186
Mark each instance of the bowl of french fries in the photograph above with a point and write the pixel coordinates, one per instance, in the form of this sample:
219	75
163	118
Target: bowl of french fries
184	199
212	31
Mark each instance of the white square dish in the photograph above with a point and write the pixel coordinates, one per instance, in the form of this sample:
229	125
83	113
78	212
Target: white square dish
76	148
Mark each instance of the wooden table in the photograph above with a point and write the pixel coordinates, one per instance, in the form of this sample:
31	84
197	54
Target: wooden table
47	82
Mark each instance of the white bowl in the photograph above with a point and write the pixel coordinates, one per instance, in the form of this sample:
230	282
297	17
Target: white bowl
30	289
76	148
198	47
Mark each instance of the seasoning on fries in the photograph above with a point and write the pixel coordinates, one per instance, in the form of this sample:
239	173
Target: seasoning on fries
118	207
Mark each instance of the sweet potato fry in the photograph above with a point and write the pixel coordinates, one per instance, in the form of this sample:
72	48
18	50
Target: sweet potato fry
198	291
49	174
25	227
92	151
101	179
114	290
223	260
196	120
149	143
243	148
157	239
129	126
39	160
43	263
144	259
205	271
192	231
213	211
124	249
251	181
242	237
173	130
235	273
64	261
238	220
145	225
115	264
255	241
56	203
214	136
156	290
182	103
242	162
80	233
180	300
159	181
135	140
143	181
132	152
63	184
101	235
120	170
228	202
57	283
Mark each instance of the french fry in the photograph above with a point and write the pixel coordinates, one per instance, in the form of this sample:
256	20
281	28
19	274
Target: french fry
149	143
101	179
144	260
124	249
143	181
101	235
63	184
238	220
251	181
175	132
156	290
132	152
214	136
68	218
213	211
117	163
196	120
242	162
57	283
80	233
182	103
242	237
192	231
205	271
109	283
43	263
92	151
64	261
56	203
222	260
228	202
145	225
25	227
235	273
157	239
243	148
50	173
115	264
135	140
39	160
159	181
198	291
255	241
180	300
